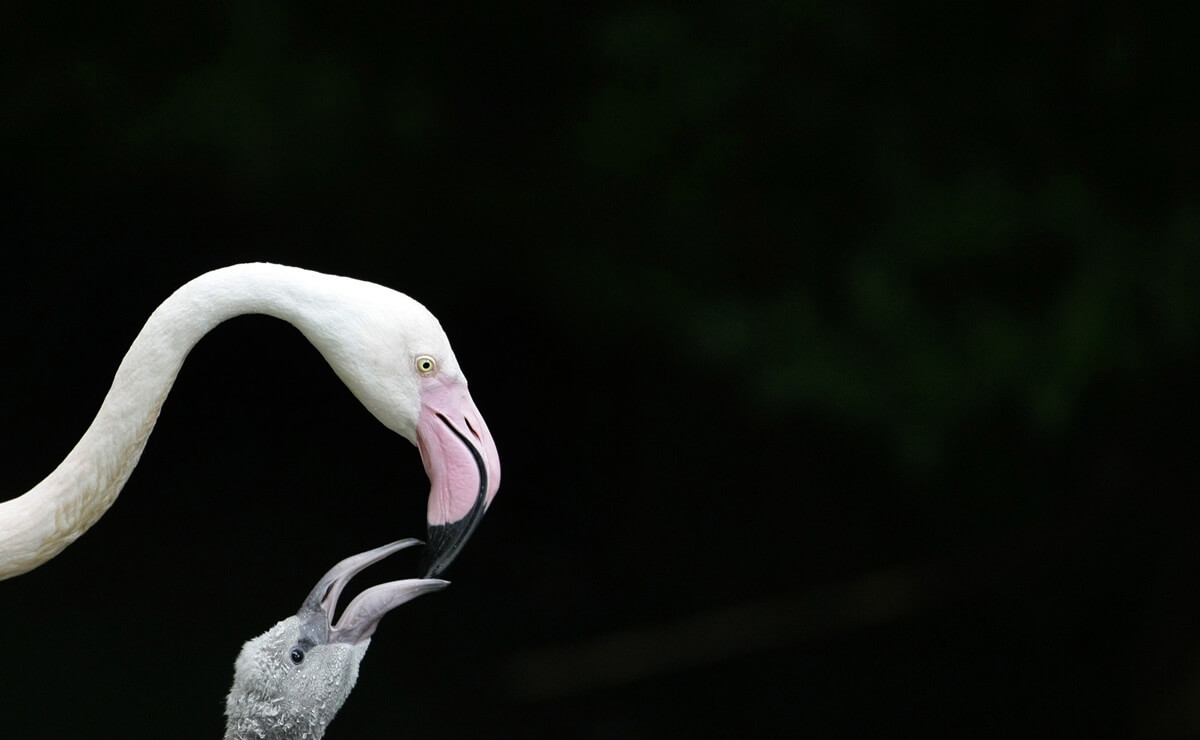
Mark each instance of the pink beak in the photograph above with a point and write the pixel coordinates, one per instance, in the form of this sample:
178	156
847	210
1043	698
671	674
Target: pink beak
463	468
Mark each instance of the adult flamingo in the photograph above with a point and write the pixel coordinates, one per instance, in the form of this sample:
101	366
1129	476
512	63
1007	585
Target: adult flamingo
388	349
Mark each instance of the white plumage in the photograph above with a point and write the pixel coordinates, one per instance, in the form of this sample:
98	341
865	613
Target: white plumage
387	348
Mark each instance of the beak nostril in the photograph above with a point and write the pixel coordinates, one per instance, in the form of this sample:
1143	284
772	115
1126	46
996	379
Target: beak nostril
473	432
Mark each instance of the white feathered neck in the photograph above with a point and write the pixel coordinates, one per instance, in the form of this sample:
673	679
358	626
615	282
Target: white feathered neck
364	331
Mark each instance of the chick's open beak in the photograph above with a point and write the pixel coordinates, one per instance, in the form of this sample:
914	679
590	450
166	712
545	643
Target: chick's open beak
362	615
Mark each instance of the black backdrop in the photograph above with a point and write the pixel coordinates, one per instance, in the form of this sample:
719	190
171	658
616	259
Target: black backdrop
841	361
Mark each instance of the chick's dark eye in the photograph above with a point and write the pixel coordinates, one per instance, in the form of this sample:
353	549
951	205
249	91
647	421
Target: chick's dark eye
297	656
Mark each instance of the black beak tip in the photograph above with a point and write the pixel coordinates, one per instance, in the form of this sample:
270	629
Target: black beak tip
447	540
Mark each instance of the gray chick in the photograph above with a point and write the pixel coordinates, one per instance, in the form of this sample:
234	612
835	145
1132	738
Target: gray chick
290	681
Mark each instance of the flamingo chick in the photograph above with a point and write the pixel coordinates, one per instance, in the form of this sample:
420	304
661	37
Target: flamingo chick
290	681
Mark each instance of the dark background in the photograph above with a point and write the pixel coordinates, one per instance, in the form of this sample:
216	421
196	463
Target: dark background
841	360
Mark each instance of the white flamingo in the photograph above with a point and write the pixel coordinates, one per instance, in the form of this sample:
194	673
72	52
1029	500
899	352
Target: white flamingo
387	348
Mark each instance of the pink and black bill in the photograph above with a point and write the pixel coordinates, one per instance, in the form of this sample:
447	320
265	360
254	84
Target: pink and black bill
463	467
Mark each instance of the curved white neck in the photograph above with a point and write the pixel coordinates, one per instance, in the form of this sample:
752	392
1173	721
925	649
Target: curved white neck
37	525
